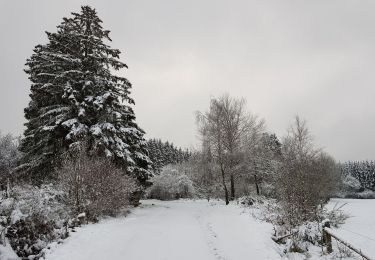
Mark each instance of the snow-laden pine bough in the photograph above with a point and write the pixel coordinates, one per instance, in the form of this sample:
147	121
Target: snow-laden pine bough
328	233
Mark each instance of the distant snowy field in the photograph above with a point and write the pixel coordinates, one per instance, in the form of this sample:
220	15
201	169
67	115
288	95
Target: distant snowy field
359	228
198	230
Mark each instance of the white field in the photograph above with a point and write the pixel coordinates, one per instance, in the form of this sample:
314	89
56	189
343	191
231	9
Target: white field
359	228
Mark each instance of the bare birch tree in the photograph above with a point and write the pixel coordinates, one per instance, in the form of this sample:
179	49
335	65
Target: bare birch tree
224	128
212	133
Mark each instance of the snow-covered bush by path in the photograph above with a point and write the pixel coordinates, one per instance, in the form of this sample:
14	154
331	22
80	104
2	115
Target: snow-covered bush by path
171	184
302	239
32	217
262	208
47	200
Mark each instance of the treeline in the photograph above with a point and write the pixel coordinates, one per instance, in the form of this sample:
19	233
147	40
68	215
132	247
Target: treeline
362	171
164	153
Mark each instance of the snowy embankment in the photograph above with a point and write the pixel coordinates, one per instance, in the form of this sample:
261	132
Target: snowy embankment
359	228
173	230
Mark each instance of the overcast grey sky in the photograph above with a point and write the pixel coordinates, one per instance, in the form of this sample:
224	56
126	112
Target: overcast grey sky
315	58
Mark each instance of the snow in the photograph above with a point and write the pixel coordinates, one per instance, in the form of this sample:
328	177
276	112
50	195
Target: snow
81	215
16	215
7	253
359	228
201	230
173	230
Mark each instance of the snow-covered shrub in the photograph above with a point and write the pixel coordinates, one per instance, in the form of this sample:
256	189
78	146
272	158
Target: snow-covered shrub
351	188
9	156
300	238
336	215
350	183
309	233
95	186
48	200
171	184
32	217
263	208
28	236
366	194
293	239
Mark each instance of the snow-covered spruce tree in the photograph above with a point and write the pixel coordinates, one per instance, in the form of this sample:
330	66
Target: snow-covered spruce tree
75	96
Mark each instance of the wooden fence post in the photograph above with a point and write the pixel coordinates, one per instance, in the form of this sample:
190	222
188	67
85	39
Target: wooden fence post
327	239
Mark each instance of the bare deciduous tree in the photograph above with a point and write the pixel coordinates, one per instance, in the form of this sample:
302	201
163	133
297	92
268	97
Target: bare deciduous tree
224	128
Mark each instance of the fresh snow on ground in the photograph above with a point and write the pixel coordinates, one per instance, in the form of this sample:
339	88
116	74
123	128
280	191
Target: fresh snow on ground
201	230
359	228
183	229
7	253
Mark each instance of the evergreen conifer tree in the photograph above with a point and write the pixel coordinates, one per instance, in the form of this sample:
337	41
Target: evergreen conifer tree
75	96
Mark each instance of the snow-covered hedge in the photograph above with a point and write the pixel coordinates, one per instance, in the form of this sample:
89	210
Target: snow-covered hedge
171	184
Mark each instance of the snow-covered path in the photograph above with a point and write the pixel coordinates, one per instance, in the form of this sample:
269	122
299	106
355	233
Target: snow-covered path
191	230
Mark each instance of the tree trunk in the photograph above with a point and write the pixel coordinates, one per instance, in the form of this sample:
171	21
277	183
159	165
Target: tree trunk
78	204
226	195
224	185
257	184
232	191
8	189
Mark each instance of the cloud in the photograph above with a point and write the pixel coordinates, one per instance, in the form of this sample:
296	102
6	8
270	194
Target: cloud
314	58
